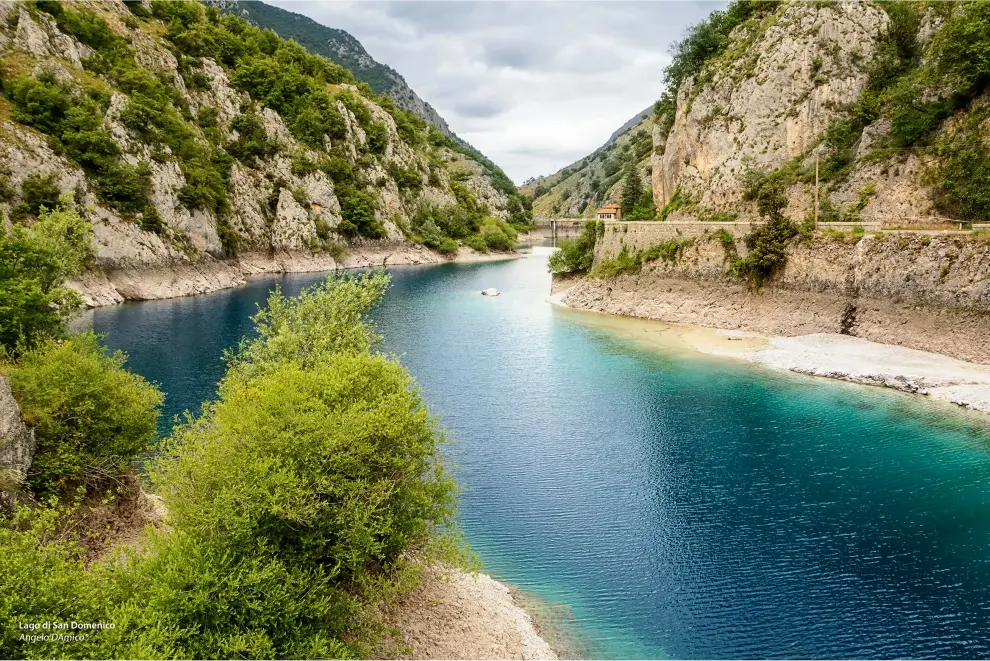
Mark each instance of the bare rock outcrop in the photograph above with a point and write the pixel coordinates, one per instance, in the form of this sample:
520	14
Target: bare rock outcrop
767	99
17	446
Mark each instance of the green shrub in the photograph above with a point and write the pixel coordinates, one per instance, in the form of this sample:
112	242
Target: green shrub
718	216
125	186
90	415
304	487
324	320
38	191
962	49
963	171
206	178
151	221
624	262
356	107
476	242
405	178
498	234
644	209
677	201
7	191
728	243
767	254
42	577
252	144
323	230
447	246
377	135
577	255
357	211
230	239
34	263
137	8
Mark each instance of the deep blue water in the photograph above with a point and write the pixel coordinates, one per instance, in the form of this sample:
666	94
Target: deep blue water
677	505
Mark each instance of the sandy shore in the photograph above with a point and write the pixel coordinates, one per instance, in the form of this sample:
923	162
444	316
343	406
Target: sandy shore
456	615
113	286
818	354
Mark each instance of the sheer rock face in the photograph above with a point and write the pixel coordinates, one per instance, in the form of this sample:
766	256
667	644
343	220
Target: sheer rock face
262	208
17	446
767	100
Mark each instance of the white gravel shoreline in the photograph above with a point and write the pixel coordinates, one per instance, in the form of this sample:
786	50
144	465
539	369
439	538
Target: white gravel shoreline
829	355
861	361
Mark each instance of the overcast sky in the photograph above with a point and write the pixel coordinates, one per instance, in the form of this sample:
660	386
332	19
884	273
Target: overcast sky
534	85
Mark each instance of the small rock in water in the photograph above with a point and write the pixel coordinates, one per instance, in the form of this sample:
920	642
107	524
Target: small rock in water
491	291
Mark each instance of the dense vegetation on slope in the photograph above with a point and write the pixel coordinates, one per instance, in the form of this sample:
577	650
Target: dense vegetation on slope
580	188
320	102
333	44
342	48
297	502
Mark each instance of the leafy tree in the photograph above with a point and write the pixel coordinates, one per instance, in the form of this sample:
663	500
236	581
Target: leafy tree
767	243
645	208
577	255
34	263
38	191
357	211
498	234
377	134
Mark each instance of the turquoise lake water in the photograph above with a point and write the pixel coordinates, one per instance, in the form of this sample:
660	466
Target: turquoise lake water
663	504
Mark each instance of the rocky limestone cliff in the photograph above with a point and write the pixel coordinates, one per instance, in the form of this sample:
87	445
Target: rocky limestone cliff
767	100
889	96
17	446
283	206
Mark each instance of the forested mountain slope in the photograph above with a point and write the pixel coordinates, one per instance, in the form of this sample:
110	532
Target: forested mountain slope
190	137
891	97
581	187
341	47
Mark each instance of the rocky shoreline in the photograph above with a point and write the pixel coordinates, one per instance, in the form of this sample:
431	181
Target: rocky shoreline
793	338
453	614
99	288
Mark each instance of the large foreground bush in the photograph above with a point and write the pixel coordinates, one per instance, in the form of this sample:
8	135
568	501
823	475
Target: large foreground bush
297	502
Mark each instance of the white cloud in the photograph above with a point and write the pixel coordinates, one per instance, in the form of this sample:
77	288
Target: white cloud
534	85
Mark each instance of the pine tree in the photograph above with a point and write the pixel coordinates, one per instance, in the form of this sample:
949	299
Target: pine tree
632	190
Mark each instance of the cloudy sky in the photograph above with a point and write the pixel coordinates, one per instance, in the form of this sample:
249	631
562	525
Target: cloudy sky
535	85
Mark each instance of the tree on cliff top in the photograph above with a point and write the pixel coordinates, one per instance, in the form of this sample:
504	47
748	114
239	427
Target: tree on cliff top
632	190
